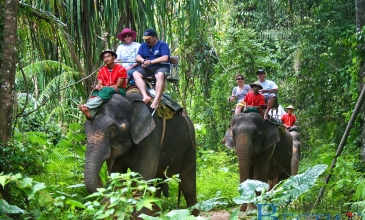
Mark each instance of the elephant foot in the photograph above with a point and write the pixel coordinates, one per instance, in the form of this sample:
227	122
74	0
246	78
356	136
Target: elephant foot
85	110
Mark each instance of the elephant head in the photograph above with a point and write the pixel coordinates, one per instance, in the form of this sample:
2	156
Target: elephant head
117	126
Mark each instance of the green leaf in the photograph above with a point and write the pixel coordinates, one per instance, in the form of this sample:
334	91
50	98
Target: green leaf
79	136
3	180
9	209
25	182
247	191
75	126
39	186
178	214
148	217
77	185
65	143
210	204
30	192
148	202
75	203
45	199
80	150
301	183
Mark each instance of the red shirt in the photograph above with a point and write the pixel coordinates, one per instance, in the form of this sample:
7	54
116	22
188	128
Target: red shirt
288	120
111	78
255	100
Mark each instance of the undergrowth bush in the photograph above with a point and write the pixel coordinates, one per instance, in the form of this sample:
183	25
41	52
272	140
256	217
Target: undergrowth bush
217	174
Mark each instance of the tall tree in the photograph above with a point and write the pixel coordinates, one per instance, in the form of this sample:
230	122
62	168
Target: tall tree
8	69
7	74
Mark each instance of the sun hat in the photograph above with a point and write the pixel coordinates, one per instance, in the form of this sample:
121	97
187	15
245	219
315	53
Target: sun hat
107	51
256	84
149	33
290	107
127	31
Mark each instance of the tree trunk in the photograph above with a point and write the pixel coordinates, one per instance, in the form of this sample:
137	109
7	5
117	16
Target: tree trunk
8	69
7	76
360	22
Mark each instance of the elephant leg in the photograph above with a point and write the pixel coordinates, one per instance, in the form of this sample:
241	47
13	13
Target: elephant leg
262	165
188	188
272	183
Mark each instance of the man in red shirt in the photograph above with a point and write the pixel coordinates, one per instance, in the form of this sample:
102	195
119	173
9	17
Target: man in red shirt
254	99
111	79
288	119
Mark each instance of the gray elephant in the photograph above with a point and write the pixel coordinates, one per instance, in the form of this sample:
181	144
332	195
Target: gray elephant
263	152
125	135
294	132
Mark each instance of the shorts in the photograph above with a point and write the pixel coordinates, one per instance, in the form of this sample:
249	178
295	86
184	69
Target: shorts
272	95
151	71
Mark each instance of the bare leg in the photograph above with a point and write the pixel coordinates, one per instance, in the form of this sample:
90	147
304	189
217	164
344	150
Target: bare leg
269	106
141	86
85	110
238	109
160	81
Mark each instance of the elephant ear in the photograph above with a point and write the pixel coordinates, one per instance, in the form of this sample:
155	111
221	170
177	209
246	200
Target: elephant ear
228	140
272	135
142	121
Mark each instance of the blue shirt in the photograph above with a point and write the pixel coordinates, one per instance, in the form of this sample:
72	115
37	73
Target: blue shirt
158	50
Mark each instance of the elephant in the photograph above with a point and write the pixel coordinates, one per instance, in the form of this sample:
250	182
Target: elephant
296	150
264	153
125	135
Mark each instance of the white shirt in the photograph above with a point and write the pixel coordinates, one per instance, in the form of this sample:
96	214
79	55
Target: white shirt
127	53
268	85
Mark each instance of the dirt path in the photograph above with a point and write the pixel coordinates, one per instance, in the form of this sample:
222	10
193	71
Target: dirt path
216	215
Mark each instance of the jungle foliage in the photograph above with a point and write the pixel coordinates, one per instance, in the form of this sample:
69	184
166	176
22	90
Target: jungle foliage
308	47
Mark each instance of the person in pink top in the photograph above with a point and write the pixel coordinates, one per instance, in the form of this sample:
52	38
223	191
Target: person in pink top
289	118
112	78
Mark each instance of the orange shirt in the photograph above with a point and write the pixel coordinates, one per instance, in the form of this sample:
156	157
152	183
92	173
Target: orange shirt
288	120
255	100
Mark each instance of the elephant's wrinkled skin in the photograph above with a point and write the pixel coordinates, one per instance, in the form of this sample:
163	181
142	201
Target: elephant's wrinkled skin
125	135
263	152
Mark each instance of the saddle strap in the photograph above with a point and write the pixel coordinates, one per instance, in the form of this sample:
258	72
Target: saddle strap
163	130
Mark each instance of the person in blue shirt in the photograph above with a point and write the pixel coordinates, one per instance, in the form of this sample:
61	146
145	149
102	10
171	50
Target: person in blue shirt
151	54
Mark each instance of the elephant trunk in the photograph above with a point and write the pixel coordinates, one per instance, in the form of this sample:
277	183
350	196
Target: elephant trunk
295	159
95	157
295	153
244	153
